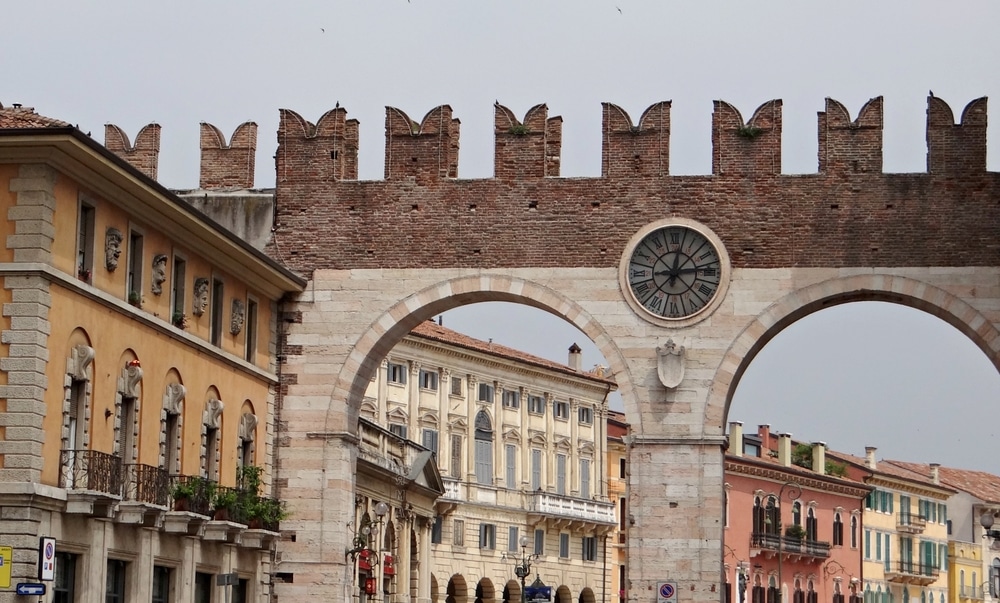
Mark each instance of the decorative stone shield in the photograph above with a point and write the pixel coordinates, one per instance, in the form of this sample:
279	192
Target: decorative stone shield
670	364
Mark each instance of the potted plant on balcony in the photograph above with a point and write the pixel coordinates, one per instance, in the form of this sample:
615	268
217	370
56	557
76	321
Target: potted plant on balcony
265	513
224	503
192	493
795	531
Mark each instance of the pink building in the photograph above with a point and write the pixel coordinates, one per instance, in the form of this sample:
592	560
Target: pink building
793	518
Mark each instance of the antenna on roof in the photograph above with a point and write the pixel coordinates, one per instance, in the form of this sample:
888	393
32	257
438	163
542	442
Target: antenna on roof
440	320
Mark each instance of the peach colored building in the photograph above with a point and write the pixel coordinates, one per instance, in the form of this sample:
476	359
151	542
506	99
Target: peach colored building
792	522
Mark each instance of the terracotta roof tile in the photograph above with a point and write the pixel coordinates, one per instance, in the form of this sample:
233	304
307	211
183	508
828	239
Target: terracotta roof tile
25	117
431	330
980	484
891	468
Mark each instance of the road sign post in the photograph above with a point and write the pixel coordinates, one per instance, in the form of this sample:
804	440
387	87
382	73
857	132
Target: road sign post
666	592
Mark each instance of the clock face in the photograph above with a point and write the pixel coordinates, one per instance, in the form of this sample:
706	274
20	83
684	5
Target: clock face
674	272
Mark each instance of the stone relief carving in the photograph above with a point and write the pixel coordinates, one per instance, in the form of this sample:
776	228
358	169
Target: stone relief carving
133	377
213	411
237	317
112	248
248	426
80	359
200	296
173	398
159	272
670	364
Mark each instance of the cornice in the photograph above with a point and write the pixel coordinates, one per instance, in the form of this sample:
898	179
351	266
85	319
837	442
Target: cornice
781	474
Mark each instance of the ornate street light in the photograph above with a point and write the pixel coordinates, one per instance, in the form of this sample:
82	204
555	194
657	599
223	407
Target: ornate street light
794	492
522	566
365	547
986	520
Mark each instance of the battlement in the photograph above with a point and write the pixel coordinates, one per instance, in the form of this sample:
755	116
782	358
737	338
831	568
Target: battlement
228	166
144	155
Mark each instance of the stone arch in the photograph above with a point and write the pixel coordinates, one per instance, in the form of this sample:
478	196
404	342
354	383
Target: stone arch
562	595
77	407
485	591
128	407
211	434
379	338
458	590
512	591
435	590
172	423
807	300
587	596
246	436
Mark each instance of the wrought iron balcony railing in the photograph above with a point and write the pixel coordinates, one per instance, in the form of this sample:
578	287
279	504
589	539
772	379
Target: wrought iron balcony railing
145	483
91	470
790	545
914	568
910	523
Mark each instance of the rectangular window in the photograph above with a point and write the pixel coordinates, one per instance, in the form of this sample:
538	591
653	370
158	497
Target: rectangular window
564	546
218	301
429	440
621	467
870	500
878	547
510	458
437	529
85	244
397	429
590	548
64	587
250	345
486	392
114	591
561	474
239	594
586	415
943	557
868	544
512	542
536	405
487	536
536	469
428	380
161	584
943	513
455	470
459	533
511	399
133	285
456	386
621	514
584	478
396	373
560	410
484	462
177	307
203	587
539	542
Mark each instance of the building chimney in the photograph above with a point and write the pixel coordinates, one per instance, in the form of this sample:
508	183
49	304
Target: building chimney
736	438
936	473
819	457
785	449
764	433
575	357
870	457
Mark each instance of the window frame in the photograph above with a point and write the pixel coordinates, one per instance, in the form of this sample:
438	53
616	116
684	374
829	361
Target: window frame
585	415
511	398
536	404
560	410
395	373
428	380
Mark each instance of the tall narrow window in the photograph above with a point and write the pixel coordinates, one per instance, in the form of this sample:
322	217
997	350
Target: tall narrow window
539	542
134	276
126	434
64	587
428	380
217	303
456	386
115	586
838	530
455	468
621	467
484	449
854	532
85	244
561	474
203	585
211	453
510	454
436	529
487	536
171	438
486	392
177	308
812	526
250	348
429	440
589	548
77	414
512	542
584	478
564	546
458	532
536	469
161	584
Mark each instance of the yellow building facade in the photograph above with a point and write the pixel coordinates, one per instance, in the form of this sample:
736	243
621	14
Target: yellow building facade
138	377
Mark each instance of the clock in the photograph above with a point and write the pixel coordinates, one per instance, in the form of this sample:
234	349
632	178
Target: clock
674	270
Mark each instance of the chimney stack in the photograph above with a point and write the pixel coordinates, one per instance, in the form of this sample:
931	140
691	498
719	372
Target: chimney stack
736	438
819	458
764	433
785	449
575	357
870	457
936	473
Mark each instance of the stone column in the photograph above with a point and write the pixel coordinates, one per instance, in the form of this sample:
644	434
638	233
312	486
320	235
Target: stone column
404	577
424	560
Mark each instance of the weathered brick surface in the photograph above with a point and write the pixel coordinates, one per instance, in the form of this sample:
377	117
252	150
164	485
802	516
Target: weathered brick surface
228	165
144	155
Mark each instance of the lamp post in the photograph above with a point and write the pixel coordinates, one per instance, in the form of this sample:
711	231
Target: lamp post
742	567
522	566
366	546
794	492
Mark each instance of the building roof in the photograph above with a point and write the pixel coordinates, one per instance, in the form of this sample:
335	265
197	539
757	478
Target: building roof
433	331
889	469
18	117
980	484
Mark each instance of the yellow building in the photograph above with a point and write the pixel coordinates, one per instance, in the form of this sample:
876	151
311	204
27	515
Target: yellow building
137	371
966	581
618	434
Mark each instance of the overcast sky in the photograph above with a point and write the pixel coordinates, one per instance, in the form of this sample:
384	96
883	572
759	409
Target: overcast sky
851	376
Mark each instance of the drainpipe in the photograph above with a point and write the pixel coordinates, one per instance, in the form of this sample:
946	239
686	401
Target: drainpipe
604	572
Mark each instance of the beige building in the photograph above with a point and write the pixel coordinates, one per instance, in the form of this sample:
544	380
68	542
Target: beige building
521	445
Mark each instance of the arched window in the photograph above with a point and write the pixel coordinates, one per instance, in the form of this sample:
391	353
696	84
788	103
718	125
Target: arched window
772	523
484	449
758	516
838	530
798	596
854	531
811	595
772	590
797	513
812	526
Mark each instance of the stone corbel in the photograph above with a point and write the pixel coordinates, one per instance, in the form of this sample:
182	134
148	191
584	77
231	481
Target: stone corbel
173	398
213	411
80	358
133	379
247	427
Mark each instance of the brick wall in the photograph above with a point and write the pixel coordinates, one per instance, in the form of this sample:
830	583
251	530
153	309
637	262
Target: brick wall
228	165
849	214
144	155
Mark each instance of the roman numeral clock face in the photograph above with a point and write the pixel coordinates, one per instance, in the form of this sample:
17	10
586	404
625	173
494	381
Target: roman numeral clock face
674	272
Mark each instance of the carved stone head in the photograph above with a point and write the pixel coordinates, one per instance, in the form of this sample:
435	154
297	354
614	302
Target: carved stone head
159	272
237	318
200	296
112	248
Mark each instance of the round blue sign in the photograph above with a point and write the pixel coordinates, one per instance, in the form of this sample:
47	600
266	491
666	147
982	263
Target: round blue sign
667	591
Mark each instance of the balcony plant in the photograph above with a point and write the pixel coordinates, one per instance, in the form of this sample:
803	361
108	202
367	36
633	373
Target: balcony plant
134	298
224	504
264	513
795	531
192	493
179	320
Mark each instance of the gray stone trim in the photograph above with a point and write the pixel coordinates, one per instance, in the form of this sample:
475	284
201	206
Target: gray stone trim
33	213
173	405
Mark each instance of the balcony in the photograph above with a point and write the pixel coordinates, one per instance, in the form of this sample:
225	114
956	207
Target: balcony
145	494
977	593
910	572
563	511
791	547
907	523
93	481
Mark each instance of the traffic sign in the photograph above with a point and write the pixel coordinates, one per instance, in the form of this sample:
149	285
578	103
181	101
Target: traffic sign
46	559
6	556
30	588
666	592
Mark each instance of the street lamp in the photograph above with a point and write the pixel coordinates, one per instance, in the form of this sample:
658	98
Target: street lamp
522	567
794	492
365	547
986	520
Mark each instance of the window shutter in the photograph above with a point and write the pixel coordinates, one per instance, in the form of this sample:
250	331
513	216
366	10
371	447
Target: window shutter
536	469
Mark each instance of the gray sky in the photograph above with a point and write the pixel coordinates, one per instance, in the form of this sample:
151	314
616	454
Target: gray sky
227	61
